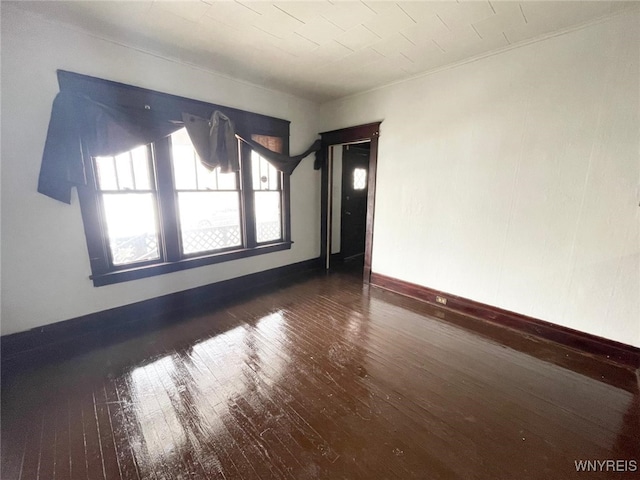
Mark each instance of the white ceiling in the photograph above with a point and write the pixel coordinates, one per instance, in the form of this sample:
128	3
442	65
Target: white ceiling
322	50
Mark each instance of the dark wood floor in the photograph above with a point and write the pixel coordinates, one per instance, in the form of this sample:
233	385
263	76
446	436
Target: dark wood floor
321	379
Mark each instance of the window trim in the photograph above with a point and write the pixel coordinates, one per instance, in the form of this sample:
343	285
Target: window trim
146	271
116	93
172	260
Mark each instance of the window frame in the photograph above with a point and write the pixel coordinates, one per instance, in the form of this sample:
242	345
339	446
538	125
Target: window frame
281	189
175	192
103	272
101	211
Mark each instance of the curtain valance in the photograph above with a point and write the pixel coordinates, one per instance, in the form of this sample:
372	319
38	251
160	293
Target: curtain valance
215	141
77	121
281	162
80	126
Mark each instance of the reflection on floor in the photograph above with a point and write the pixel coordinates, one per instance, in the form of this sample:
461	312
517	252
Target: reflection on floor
322	379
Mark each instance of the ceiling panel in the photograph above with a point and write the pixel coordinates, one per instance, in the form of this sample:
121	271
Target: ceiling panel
321	49
319	30
357	38
347	15
277	22
304	11
390	19
454	16
192	11
232	13
393	44
425	31
508	16
458	38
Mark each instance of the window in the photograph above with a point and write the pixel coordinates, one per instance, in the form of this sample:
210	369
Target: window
359	178
158	209
267	192
209	202
155	208
127	193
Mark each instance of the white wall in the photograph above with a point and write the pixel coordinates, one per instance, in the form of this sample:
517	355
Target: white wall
513	180
45	265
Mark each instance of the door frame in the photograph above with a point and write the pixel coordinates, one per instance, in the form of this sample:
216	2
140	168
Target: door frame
358	134
349	223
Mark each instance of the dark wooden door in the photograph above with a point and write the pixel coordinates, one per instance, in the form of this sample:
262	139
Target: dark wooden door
355	175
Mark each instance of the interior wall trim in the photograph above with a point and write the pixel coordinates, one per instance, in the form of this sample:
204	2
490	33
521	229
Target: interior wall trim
370	132
608	350
76	335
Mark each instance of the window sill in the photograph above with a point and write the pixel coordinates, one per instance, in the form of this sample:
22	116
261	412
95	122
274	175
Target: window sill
135	273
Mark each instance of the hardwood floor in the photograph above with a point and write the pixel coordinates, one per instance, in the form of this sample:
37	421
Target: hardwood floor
322	379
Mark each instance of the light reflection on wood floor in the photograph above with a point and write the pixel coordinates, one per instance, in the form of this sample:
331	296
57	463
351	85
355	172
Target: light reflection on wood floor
321	379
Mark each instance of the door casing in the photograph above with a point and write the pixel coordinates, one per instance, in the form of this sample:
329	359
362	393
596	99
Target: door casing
353	211
360	133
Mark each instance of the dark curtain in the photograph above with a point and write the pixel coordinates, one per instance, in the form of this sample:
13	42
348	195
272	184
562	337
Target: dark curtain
214	140
77	121
103	129
320	160
280	161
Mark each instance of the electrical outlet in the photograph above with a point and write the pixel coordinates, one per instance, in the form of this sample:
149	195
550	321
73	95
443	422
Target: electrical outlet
441	300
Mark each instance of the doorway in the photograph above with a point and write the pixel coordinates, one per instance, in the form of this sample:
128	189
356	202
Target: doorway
348	197
350	172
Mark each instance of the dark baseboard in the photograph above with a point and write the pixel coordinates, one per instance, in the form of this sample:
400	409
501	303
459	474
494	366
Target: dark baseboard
70	337
606	349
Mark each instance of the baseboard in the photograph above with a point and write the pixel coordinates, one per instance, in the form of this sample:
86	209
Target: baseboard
606	349
76	335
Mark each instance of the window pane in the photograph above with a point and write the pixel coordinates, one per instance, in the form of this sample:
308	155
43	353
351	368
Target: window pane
106	169
255	171
127	171
227	181
124	168
140	157
207	179
189	172
131	227
359	178
213	179
184	168
184	161
209	221
274	177
268	217
264	175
